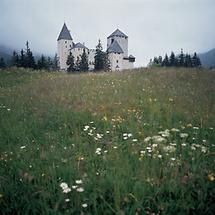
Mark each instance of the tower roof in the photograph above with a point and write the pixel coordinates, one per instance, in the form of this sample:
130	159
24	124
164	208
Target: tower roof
64	34
118	33
80	45
115	47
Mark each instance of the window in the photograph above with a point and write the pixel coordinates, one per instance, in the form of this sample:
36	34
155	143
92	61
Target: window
66	46
65	41
117	61
112	40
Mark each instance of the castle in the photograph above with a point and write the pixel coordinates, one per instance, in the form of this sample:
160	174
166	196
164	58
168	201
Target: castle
117	50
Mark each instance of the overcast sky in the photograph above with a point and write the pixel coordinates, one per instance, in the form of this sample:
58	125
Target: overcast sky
154	27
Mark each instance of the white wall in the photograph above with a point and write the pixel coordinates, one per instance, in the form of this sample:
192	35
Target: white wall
91	59
116	60
127	64
63	47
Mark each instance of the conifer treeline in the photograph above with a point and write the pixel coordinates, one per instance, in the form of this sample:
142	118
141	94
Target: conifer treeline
182	60
26	59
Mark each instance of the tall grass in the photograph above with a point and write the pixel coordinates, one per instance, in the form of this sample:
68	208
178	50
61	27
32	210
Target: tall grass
132	142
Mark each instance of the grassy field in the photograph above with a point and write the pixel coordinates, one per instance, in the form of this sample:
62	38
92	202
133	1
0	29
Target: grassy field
133	142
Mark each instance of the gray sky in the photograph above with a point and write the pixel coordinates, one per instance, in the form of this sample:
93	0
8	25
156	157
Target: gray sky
154	27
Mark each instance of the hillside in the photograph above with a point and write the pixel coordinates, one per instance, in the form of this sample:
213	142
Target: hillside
132	142
208	58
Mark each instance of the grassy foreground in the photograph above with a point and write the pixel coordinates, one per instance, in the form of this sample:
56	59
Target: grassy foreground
133	142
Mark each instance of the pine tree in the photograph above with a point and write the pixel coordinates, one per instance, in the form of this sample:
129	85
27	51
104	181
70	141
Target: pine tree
2	63
172	60
160	60
99	57
49	64
165	61
15	59
42	63
70	62
29	60
83	66
181	59
22	61
55	63
155	61
106	61
196	60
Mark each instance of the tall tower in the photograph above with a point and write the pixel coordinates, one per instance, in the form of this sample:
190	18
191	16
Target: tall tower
64	44
121	39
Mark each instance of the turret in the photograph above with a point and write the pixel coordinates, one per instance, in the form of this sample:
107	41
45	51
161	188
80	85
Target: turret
121	39
64	45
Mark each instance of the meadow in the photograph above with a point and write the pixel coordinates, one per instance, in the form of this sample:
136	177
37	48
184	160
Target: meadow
131	142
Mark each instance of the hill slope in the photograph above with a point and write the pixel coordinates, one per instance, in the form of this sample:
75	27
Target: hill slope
208	58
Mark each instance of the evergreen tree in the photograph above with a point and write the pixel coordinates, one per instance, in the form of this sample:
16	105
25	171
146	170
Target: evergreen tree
181	59
106	61
29	60
160	60
55	63
70	62
42	63
165	61
49	63
22	62
2	63
172	60
83	66
77	64
15	59
155	61
196	60
99	57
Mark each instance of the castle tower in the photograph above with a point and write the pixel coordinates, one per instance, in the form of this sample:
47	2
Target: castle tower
64	44
121	39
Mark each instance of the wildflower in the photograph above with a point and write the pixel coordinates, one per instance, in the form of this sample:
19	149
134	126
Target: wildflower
67	190
125	138
105	118
67	200
86	127
173	159
183	144
115	147
158	139
125	135
78	181
107	132
159	156
8	109
134	140
63	185
170	100
175	130
99	136
74	186
129	135
204	150
211	177
196	128
183	135
22	147
169	149
1	195
80	189
147	139
84	205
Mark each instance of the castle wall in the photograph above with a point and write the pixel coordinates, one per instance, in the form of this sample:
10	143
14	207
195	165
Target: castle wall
116	61
63	47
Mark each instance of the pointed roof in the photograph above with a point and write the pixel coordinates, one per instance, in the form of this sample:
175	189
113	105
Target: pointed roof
64	34
80	45
115	47
118	33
